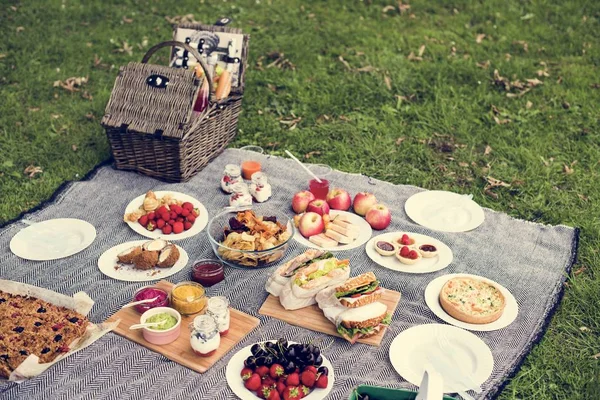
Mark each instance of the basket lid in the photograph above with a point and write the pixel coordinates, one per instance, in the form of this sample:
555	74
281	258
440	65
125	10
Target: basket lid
152	99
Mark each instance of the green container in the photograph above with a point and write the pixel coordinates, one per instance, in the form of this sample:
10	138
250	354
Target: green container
381	393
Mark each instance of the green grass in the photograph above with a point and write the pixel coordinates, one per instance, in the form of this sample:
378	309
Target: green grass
549	152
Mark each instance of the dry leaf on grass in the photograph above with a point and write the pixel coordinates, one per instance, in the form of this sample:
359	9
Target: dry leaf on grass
493	183
345	63
90	116
484	65
388	81
528	105
312	153
182	19
542	72
125	49
71	84
580	270
368	68
403	7
480	38
2	55
279	61
127	20
412	57
388	8
488	150
20	29
584	329
582	197
596	356
32	171
292	123
73	147
86	95
522	43
56	116
568	170
34	109
400	140
421	50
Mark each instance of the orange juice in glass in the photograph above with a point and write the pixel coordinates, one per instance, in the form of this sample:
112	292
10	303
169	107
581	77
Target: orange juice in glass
252	165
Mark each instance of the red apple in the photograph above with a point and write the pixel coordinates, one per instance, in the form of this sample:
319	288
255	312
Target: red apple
339	199
379	217
301	200
363	201
318	206
311	224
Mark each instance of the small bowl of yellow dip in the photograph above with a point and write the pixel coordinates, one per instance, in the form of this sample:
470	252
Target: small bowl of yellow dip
169	329
188	298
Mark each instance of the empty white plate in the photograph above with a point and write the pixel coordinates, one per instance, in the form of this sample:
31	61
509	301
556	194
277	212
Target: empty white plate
432	298
109	265
424	265
444	211
53	239
363	225
199	224
451	351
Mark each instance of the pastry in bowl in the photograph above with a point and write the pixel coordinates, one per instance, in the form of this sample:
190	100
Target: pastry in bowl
471	300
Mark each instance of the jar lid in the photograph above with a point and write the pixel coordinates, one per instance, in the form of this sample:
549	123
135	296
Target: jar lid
233	170
204	323
218	302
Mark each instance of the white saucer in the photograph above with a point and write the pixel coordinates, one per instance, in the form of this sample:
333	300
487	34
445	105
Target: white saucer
235	382
199	224
53	239
432	298
423	266
109	265
444	211
412	349
363	225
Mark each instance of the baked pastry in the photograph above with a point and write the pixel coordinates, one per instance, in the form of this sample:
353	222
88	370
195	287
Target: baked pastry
404	240
428	250
408	255
33	326
146	260
168	256
472	300
127	256
385	248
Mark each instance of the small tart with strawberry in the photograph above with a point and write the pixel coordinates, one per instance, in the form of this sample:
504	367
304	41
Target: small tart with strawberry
408	255
404	240
428	250
385	248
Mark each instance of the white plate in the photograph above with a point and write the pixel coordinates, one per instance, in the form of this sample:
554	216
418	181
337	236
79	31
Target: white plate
432	298
108	261
425	265
363	225
444	211
234	380
53	239
198	226
414	347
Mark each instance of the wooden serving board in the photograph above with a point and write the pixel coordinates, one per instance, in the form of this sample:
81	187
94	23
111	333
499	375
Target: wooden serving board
312	317
180	350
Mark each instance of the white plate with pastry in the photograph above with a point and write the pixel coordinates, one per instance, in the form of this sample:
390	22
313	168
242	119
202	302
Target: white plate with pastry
52	239
463	359
444	211
428	254
143	260
148	203
347	231
471	302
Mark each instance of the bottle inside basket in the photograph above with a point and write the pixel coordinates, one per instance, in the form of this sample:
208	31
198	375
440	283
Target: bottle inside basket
202	100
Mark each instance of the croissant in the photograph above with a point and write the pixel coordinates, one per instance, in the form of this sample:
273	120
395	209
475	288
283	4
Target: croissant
150	195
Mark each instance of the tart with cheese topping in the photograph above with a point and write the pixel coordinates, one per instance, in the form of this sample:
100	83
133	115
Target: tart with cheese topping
472	300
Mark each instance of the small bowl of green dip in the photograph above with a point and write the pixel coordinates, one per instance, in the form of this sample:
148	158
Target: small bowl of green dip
169	329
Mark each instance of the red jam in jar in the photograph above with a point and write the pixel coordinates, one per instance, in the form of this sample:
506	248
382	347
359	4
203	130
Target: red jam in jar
150	292
207	272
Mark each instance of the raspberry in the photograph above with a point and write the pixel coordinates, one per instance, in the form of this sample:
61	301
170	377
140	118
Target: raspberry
151	216
177	209
185	212
188	206
160	223
413	255
173	214
171	222
165	215
160	210
191	218
404	251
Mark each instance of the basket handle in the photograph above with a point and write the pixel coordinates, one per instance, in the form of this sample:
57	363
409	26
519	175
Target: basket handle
190	49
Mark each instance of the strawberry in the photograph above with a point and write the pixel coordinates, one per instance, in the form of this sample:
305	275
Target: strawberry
413	255
187	225
308	378
304	391
322	382
264	391
246	373
273	395
165	215
171	222
185	212
160	223
143	220
151	215
404	251
176	208
188	206
150	226
263	370
167	229
179	219
291	393
276	371
160	210
267	380
173	214
195	212
311	368
252	383
280	386
293	379
191	218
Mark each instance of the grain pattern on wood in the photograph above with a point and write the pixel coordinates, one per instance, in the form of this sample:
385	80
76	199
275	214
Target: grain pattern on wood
312	317
180	350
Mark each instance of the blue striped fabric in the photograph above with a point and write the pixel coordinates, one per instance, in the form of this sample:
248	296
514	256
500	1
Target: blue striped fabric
529	259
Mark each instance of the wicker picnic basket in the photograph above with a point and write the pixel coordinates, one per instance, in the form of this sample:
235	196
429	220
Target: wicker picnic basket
150	123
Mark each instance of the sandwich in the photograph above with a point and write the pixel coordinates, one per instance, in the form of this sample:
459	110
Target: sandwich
304	285
353	307
283	274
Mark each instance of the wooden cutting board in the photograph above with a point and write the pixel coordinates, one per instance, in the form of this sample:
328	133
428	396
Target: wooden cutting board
180	350
312	317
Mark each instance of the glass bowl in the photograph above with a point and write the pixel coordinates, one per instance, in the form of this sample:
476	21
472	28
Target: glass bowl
247	259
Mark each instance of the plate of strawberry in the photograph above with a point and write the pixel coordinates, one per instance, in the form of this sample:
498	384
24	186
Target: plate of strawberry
167	215
278	370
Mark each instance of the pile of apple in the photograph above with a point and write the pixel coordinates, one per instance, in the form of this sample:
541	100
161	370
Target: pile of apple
365	204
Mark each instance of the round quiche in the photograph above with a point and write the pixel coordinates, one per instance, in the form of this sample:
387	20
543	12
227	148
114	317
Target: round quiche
472	300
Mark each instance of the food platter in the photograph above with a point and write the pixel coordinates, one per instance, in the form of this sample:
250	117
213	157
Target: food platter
53	239
197	227
432	293
363	237
109	265
425	265
444	211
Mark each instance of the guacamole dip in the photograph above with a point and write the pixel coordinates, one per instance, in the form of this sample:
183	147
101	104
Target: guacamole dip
168	321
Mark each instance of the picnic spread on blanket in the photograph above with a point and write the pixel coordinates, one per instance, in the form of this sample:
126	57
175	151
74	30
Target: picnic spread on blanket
252	275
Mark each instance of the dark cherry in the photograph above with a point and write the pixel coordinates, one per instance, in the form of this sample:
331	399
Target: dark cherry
57	338
385	246
250	362
45	350
38	323
19	329
323	370
319	360
289	367
428	247
255	349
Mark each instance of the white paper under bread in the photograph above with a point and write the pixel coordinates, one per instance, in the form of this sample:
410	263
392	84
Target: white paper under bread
80	302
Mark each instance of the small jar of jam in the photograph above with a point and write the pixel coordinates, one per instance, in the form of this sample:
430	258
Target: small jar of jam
218	308
150	292
204	338
208	272
188	298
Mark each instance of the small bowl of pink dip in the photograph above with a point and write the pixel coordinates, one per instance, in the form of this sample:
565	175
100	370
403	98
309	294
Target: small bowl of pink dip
150	292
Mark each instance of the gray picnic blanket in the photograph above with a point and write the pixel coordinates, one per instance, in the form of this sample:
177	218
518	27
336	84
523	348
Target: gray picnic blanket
531	260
